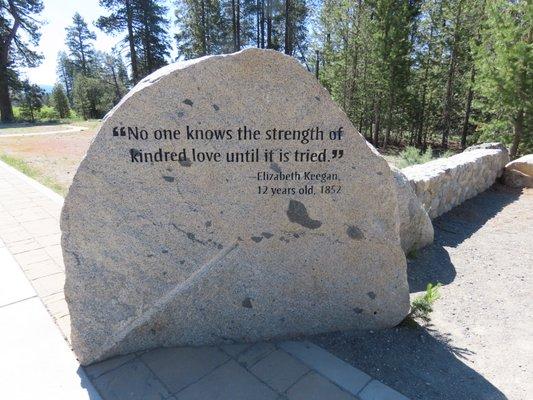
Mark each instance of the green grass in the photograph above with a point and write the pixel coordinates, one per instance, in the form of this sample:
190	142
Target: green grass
28	170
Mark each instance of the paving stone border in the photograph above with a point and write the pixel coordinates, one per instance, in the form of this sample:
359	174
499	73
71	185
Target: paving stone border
281	371
349	378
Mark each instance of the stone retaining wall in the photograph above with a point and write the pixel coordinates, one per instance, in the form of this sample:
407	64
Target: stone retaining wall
445	183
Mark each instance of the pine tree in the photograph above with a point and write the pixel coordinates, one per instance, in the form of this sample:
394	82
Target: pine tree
366	52
296	14
79	40
428	45
93	97
19	29
151	38
30	99
348	51
505	69
202	28
224	26
122	18
457	7
394	21
146	32
65	73
112	72
59	101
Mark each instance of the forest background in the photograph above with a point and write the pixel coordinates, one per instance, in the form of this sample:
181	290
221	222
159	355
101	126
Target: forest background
435	74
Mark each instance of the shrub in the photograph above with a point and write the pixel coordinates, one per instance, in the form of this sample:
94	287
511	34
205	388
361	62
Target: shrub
411	156
48	114
74	116
16	113
422	305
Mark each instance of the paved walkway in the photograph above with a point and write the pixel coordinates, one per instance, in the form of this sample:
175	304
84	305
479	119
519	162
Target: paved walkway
37	362
67	129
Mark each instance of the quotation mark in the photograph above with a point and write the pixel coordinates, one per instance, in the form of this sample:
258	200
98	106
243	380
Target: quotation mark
122	131
337	153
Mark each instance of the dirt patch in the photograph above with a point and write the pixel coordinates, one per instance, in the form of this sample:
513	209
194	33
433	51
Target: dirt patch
479	342
56	156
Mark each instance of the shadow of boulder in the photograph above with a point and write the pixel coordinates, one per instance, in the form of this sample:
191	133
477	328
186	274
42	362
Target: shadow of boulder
458	224
432	264
416	361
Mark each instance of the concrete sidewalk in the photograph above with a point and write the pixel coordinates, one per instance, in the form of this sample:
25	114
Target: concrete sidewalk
37	361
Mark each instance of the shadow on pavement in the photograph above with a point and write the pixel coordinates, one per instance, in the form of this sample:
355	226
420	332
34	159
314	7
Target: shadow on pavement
92	393
433	263
412	361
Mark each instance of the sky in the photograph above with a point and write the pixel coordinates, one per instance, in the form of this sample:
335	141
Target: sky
57	15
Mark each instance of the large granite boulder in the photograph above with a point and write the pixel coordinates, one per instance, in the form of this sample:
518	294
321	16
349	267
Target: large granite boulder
523	164
519	173
416	229
175	232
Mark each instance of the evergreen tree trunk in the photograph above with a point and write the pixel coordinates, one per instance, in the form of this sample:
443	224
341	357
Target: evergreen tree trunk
131	41
518	132
6	110
389	119
262	24
204	29
422	117
148	58
288	41
68	89
258	24
148	54
375	133
238	25
345	76
116	85
83	58
317	64
468	110
446	115
424	91
447	102
234	25
269	23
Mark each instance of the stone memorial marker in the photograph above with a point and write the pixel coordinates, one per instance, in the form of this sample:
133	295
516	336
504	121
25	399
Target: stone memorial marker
228	199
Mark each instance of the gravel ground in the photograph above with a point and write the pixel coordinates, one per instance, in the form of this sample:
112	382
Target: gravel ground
479	343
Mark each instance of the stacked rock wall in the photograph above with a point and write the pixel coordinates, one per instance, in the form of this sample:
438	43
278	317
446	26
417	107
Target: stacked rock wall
445	183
